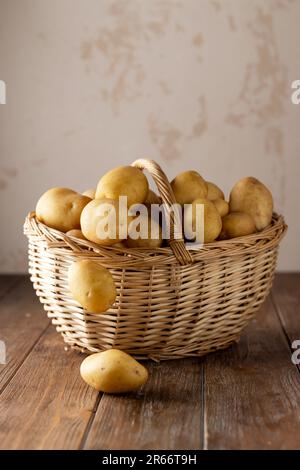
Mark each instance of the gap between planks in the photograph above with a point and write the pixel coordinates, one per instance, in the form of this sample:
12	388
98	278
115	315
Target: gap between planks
32	414
167	414
21	325
253	389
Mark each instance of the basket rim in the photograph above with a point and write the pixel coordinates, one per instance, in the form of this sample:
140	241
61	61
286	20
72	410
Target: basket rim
58	242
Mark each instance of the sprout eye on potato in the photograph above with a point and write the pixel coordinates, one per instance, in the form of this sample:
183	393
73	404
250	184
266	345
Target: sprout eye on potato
61	208
92	286
113	371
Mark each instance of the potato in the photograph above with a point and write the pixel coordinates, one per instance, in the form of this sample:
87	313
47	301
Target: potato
212	220
214	192
60	208
252	197
124	181
113	371
92	286
152	198
188	186
76	233
148	242
237	224
91	192
222	206
93	219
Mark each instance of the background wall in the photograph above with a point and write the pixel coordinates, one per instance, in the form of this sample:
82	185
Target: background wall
202	84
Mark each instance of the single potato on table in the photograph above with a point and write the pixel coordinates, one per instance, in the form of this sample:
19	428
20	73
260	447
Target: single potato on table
124	181
214	192
237	224
222	206
188	186
212	220
113	371
92	286
251	196
61	208
103	223
146	226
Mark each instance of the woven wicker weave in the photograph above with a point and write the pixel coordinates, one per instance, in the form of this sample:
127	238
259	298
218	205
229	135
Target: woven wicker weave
171	302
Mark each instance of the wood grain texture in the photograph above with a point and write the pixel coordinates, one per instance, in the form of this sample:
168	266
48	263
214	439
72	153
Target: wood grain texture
46	405
167	414
286	297
247	397
252	393
22	321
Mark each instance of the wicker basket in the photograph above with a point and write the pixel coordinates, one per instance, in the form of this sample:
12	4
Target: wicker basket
172	302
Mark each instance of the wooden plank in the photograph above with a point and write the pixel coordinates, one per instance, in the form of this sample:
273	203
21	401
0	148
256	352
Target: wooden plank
252	394
286	296
22	321
46	405
167	414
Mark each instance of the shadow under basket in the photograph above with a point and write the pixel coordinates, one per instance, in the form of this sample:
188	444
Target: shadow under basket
171	302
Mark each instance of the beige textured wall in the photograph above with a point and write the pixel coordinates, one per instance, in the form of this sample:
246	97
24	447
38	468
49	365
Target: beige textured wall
201	84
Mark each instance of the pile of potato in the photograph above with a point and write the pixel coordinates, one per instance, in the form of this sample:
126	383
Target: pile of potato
249	209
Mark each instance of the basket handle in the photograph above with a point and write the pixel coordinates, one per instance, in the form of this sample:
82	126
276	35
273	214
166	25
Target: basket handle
176	243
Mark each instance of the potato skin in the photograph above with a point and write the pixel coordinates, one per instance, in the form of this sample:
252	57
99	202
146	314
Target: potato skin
124	181
251	196
188	186
237	224
113	371
91	193
76	233
150	243
152	198
222	206
90	218
212	219
214	192
92	286
60	208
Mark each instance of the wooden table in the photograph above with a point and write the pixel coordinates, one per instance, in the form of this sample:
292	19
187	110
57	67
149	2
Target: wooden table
246	397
